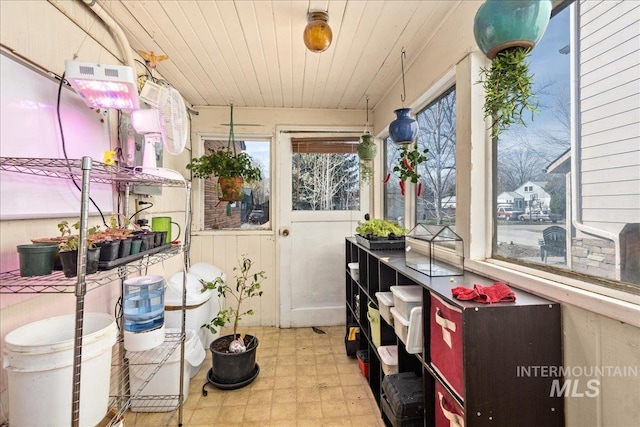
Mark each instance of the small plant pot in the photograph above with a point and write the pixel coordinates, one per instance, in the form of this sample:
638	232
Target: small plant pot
136	245
69	260
125	247
37	259
109	250
231	189
233	368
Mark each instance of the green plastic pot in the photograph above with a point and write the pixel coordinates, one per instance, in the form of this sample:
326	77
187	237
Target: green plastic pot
501	24
36	259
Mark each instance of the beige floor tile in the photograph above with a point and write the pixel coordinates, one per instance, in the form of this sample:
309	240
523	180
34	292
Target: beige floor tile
305	379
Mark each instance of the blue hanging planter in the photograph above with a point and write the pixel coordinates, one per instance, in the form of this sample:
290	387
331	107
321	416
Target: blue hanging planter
404	129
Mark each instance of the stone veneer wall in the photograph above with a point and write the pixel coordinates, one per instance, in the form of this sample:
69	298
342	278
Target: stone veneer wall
593	256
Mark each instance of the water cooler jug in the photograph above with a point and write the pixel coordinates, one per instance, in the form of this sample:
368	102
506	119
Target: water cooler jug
143	312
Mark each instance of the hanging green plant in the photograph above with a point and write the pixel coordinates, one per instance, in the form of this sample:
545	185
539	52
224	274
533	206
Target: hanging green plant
366	171
410	159
508	89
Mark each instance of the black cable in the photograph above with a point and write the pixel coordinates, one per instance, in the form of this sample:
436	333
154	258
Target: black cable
140	210
149	73
64	148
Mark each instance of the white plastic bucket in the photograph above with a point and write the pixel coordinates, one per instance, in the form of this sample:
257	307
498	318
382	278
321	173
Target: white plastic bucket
167	380
197	310
38	358
209	272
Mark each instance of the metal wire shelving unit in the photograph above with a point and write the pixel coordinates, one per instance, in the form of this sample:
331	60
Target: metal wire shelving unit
87	171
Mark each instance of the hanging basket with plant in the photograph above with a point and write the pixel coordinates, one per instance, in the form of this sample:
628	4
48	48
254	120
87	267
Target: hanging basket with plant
232	168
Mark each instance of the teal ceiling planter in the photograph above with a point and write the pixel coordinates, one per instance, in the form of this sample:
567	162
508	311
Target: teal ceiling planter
502	24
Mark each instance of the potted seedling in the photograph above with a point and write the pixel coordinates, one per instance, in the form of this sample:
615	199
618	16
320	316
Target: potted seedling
234	356
68	249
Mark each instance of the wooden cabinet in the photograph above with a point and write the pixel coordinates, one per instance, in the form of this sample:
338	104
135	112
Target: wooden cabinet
482	364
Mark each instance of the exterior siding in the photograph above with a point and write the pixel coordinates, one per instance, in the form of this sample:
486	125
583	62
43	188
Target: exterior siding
609	75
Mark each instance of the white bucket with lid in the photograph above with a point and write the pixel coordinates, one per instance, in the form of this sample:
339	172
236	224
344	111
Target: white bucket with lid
38	358
209	272
197	310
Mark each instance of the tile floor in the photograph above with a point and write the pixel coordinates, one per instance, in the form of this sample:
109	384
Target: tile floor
305	379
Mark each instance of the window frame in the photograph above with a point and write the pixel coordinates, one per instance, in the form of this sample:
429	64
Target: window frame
197	187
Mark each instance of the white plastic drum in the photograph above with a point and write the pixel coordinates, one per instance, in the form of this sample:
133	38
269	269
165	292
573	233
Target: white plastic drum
38	358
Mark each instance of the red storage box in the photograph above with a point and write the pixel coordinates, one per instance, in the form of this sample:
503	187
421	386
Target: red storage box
448	411
363	362
446	343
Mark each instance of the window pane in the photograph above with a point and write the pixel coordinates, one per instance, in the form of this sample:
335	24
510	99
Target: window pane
393	198
582	220
436	203
253	211
325	181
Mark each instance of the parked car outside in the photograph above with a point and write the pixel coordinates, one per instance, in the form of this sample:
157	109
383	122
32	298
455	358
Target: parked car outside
508	214
540	215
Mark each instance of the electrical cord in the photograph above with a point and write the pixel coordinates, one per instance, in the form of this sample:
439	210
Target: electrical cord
64	148
140	210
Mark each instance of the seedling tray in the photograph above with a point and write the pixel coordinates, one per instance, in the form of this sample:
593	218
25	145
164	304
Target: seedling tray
381	243
108	265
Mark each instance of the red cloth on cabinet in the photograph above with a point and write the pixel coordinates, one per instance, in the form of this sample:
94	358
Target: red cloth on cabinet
498	292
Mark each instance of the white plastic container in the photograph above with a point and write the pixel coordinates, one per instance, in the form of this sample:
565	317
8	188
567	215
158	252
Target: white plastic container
209	272
409	330
167	380
389	358
354	269
406	297
385	302
197	310
373	315
38	358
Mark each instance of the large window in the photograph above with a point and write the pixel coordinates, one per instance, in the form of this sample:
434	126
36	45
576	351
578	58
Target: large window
568	183
436	201
435	192
253	211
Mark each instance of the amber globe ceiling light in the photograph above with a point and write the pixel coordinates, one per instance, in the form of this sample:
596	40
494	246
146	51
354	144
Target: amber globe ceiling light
317	33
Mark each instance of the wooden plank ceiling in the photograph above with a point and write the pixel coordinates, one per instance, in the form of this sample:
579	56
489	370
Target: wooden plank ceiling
251	53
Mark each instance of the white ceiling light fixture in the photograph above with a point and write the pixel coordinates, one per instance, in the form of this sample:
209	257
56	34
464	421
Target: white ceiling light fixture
103	86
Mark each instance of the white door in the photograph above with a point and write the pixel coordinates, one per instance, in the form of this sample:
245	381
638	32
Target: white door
311	237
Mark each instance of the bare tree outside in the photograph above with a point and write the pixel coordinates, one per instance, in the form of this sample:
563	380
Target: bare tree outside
327	181
437	133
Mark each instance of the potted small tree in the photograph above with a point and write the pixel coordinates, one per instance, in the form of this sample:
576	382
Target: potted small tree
234	356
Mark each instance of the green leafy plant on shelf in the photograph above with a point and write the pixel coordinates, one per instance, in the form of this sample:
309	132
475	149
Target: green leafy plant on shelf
71	241
380	228
247	285
508	89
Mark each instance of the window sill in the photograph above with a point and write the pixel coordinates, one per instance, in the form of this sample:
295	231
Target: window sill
617	305
233	232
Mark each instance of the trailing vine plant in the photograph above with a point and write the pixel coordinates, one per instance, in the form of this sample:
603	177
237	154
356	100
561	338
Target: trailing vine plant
508	89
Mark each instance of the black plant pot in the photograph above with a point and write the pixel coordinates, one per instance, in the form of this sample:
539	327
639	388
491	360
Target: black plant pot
125	247
109	250
69	260
233	368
